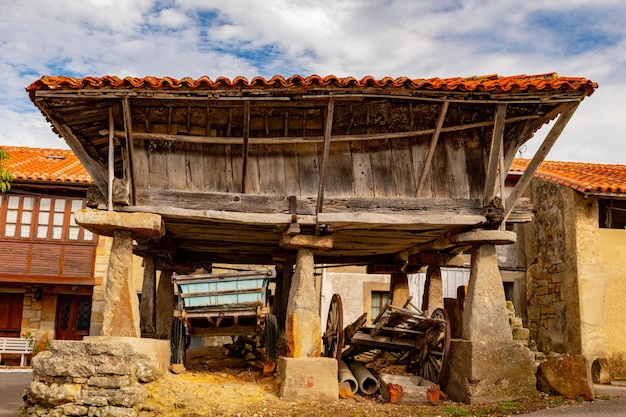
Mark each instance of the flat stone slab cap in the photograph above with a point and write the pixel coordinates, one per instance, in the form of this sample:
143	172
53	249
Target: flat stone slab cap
143	226
496	237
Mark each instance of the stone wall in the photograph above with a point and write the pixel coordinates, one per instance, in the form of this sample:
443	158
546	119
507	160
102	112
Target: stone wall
552	287
99	377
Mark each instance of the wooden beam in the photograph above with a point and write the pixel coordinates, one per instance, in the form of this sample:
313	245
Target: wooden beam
310	139
270	95
494	165
111	162
95	168
437	259
328	129
539	156
128	130
246	138
431	148
403	221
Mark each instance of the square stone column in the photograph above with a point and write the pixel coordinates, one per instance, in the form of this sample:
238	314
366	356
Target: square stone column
487	366
303	332
121	305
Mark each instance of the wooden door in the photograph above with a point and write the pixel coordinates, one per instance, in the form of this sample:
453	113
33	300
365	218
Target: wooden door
11	305
73	317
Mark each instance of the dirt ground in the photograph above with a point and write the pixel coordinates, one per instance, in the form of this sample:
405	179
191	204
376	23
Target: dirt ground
216	385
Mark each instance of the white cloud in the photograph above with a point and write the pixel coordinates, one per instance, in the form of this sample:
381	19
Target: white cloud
341	37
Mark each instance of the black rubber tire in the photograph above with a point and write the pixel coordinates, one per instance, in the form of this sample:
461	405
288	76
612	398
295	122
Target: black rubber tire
271	338
177	341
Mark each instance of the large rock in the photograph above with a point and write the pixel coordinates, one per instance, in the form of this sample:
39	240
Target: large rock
566	375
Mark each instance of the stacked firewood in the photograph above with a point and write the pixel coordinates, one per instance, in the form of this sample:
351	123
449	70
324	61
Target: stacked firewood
247	347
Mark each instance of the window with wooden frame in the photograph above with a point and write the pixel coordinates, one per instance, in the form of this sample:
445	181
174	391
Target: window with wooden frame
39	217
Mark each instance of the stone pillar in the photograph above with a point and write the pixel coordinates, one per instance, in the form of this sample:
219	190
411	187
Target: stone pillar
433	290
399	289
485	317
487	366
303	330
164	305
147	306
121	305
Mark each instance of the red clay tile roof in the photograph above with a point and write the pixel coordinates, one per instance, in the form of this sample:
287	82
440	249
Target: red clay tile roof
587	178
487	83
53	165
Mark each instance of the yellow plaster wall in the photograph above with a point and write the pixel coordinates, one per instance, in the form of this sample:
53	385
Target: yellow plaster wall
612	254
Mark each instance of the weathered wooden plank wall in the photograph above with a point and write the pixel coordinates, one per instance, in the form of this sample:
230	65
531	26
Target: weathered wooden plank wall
384	168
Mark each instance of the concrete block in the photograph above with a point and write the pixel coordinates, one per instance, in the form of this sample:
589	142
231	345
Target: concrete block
308	379
486	372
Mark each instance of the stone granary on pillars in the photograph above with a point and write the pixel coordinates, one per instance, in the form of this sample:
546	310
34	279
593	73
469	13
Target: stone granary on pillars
391	173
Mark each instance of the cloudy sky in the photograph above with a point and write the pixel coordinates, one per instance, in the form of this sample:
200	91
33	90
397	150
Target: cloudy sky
414	38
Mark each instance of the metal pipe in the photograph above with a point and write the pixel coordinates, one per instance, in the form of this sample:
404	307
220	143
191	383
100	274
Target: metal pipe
367	383
345	375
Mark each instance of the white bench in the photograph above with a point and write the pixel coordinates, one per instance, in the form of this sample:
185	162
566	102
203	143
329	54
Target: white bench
15	345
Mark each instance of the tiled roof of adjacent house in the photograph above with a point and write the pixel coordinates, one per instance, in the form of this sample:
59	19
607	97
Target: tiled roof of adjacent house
487	83
580	176
38	164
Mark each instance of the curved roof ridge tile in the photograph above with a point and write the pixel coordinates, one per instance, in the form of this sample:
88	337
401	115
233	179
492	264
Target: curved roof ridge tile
475	83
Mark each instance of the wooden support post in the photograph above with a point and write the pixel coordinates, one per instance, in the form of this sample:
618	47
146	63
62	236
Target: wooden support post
164	304
433	290
399	289
303	334
494	167
284	275
147	305
111	162
540	155
121	305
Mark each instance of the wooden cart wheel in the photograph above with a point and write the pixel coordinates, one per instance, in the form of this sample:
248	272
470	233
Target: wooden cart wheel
178	342
434	358
271	338
333	337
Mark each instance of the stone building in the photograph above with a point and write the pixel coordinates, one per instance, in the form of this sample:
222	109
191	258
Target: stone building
574	253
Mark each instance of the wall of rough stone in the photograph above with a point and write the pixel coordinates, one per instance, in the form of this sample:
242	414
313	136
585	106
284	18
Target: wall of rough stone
552	288
100	377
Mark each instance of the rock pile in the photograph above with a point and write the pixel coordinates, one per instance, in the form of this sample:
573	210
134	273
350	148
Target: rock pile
77	378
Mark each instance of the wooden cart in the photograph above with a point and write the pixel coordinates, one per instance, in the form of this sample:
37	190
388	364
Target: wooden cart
229	304
414	337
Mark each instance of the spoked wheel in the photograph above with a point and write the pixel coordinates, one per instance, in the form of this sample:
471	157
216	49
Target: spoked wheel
179	341
271	338
333	337
433	359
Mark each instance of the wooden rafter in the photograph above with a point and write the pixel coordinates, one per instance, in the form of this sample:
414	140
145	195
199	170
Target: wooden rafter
328	128
539	156
431	148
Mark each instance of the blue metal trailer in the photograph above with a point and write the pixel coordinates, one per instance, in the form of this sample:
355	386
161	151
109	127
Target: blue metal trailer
227	304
